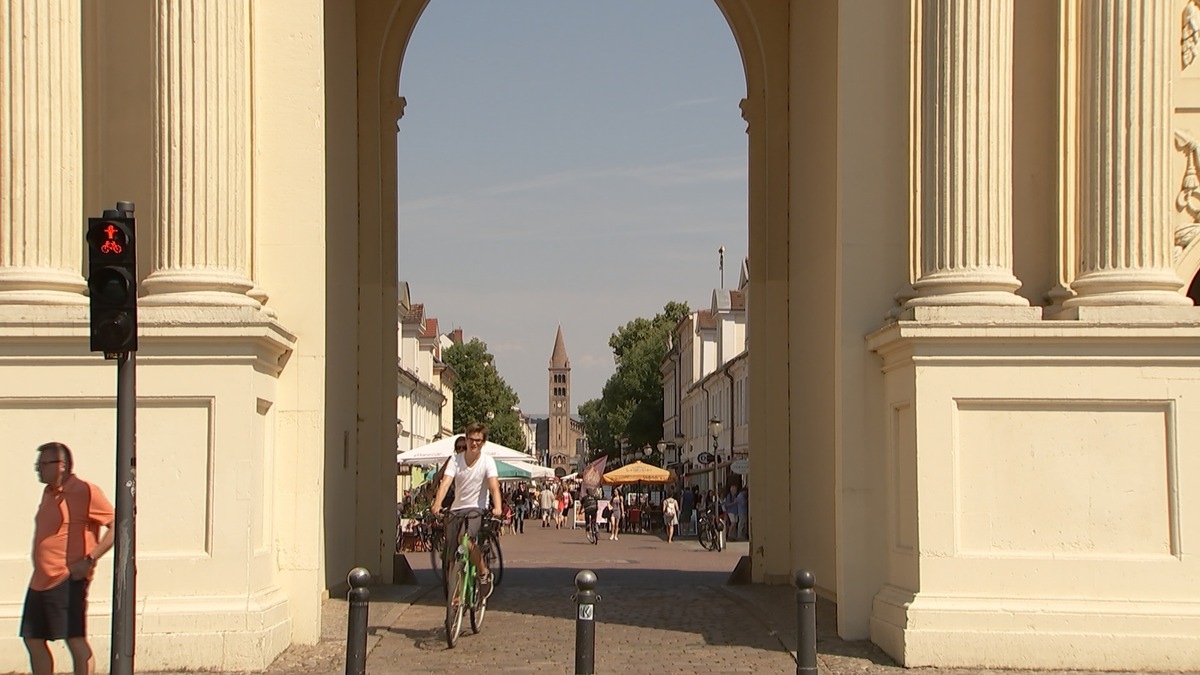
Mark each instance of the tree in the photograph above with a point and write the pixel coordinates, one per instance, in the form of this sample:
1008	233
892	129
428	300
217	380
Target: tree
481	391
631	407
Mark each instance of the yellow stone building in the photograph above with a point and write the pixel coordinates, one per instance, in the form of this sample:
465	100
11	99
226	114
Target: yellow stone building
975	377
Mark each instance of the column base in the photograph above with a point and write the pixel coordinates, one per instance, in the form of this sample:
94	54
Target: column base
986	314
918	630
197	288
1120	314
959	288
1128	288
27	286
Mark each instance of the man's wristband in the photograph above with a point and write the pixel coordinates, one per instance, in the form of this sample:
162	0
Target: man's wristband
90	558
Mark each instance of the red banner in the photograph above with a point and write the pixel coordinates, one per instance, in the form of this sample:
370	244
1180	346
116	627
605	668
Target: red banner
593	474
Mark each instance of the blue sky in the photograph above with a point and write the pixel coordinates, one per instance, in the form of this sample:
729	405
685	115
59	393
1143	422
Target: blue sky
568	162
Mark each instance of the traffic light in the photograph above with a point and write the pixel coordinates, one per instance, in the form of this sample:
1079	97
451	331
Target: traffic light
112	283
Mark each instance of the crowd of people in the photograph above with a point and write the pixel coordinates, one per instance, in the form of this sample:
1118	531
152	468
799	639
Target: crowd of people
558	504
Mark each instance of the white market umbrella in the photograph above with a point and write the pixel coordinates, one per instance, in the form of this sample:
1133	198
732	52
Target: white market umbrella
535	470
439	450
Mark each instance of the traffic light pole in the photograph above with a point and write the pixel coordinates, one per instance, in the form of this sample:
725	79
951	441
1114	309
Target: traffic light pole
124	567
112	282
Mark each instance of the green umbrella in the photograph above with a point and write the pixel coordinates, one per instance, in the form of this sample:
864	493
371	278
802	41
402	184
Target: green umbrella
506	470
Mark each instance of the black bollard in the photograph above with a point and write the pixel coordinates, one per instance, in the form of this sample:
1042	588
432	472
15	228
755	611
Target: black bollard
356	624
806	623
585	625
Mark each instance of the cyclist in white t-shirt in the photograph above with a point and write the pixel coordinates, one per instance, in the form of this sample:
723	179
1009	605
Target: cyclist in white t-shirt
475	479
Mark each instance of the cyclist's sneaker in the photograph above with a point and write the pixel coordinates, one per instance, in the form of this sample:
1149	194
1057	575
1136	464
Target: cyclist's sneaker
485	585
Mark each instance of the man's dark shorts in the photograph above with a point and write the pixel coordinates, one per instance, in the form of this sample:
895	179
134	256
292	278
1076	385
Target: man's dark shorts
471	519
57	613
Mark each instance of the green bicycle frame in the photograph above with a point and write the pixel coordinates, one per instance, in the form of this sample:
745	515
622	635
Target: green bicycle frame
468	590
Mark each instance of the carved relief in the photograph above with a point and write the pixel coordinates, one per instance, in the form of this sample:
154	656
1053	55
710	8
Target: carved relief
1188	200
1189	38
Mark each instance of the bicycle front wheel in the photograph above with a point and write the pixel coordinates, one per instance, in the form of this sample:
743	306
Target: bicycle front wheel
705	535
591	535
455	603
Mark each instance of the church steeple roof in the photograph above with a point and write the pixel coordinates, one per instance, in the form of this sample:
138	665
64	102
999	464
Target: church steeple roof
559	359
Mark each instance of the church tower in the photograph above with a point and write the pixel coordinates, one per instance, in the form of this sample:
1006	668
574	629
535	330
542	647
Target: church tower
562	441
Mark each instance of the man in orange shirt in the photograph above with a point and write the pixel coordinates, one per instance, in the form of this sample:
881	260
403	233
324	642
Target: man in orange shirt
66	544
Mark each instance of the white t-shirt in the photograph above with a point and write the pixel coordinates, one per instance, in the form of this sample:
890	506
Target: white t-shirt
470	482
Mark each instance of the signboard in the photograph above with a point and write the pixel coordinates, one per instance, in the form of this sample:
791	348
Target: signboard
706	458
740	466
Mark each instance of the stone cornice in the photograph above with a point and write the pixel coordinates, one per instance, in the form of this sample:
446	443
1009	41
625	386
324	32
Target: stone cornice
187	335
1075	343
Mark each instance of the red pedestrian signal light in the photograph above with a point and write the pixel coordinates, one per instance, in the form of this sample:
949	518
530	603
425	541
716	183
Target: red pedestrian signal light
112	284
113	239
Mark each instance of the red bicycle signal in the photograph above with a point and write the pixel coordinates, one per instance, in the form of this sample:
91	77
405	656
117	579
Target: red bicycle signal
114	240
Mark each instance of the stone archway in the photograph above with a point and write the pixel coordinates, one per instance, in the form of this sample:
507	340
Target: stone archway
760	29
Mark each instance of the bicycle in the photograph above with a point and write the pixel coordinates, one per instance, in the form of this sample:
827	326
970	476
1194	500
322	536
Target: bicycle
711	530
441	562
433	535
463	592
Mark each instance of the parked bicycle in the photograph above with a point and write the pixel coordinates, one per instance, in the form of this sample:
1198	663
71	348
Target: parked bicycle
432	532
464	594
711	530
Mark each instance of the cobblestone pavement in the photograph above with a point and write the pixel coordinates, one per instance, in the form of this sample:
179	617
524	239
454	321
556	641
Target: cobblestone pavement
664	608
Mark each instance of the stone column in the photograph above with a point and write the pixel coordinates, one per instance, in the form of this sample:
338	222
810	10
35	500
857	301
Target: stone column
1125	224
202	252
41	153
966	164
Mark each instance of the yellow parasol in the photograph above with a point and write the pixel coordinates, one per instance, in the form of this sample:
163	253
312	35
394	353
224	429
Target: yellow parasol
637	472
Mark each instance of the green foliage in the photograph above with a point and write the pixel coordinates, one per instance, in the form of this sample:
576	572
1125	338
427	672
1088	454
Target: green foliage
631	405
481	390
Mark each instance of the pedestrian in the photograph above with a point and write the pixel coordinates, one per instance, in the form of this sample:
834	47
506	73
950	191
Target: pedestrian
617	504
546	504
698	504
560	508
670	509
66	544
743	505
731	514
687	504
568	508
520	502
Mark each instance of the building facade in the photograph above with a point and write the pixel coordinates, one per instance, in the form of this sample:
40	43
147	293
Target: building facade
976	372
424	385
705	377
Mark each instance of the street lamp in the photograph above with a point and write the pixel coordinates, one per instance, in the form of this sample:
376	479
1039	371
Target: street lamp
714	430
662	452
